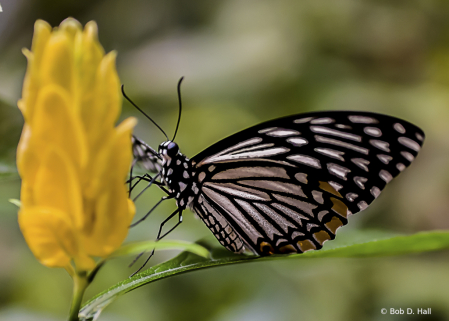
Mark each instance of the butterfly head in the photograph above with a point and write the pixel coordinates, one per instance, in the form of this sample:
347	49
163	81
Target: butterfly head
168	150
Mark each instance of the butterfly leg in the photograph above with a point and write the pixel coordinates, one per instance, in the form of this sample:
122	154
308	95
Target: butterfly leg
148	186
159	237
179	212
146	178
131	176
152	209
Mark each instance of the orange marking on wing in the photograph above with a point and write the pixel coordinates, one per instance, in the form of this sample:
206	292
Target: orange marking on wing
339	207
334	224
306	245
321	236
325	186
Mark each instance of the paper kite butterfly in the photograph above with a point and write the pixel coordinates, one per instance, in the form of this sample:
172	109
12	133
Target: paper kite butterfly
285	185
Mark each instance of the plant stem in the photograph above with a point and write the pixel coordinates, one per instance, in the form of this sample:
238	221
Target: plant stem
79	286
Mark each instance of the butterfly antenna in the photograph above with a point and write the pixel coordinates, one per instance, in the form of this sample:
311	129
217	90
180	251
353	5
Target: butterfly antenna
128	99
180	107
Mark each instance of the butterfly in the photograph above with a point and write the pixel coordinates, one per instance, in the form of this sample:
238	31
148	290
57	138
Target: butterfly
285	185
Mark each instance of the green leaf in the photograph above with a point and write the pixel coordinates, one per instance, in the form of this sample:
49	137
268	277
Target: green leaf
355	244
15	201
138	247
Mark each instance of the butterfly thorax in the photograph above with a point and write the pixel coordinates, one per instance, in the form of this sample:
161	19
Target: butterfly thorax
176	173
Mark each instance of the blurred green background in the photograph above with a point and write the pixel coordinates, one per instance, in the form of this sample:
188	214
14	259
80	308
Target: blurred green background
245	62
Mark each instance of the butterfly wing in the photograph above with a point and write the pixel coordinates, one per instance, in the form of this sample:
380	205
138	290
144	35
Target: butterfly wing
146	156
286	185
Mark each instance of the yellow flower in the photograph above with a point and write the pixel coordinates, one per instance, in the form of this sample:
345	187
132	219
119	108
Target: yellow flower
72	160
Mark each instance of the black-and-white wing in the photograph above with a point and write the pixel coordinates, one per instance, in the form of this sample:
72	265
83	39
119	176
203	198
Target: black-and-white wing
288	184
146	156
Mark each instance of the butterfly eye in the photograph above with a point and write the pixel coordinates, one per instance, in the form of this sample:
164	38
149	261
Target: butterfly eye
172	149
